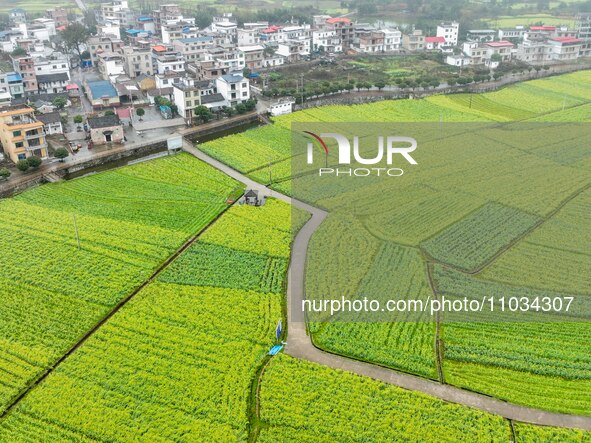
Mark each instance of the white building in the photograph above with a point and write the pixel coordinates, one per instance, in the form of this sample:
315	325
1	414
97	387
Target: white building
109	28
110	65
449	31
118	12
282	106
392	39
248	37
192	49
168	61
224	24
234	87
326	40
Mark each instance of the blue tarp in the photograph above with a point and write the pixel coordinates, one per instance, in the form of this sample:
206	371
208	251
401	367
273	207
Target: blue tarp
275	350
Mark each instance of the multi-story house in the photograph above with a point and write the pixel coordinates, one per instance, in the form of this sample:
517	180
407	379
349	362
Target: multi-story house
17	16
58	15
248	37
564	49
481	35
583	29
326	41
137	61
21	134
368	39
109	28
187	96
489	54
224	25
234	88
110	64
253	56
415	41
56	63
392	40
218	61
514	35
102	43
343	28
5	97
193	48
25	66
118	11
177	30
166	60
53	83
292	50
16	87
449	31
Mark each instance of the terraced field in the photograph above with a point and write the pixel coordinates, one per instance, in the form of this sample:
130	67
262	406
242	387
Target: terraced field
502	200
129	221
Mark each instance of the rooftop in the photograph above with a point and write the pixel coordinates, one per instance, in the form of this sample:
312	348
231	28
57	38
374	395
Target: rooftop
212	98
102	88
434	39
566	40
332	21
500	44
51	117
50	78
107	121
232	78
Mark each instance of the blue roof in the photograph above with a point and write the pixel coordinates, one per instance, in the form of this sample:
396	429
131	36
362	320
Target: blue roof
133	31
102	88
232	78
14	77
145	19
196	39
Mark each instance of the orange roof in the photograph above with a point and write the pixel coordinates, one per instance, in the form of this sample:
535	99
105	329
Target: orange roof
159	48
332	21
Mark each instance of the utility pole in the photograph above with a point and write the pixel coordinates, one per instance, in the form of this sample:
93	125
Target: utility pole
270	171
76	229
302	91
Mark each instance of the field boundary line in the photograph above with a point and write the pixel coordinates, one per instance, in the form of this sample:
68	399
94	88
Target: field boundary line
39	379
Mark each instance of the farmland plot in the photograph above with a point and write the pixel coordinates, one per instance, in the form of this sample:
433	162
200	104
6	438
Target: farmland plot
302	401
129	220
177	362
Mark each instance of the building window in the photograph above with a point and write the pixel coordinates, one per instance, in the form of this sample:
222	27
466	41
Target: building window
18	145
16	133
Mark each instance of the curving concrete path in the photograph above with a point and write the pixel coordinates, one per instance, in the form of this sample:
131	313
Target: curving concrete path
300	345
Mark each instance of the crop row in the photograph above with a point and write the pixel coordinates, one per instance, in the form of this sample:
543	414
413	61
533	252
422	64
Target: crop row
127	224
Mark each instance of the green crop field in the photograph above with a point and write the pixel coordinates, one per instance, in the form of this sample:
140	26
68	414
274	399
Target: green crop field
305	402
129	221
178	361
506	200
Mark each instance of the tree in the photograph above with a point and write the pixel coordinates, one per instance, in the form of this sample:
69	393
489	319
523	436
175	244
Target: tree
73	36
78	119
380	84
203	113
4	173
61	154
18	52
140	113
108	112
22	165
59	102
34	161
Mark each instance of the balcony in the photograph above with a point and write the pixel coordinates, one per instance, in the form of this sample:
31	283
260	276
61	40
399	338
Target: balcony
34	135
35	147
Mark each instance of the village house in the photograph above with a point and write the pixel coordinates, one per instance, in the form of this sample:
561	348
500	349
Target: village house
102	94
21	134
106	129
52	123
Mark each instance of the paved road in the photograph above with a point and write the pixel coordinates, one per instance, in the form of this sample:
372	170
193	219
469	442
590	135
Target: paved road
299	344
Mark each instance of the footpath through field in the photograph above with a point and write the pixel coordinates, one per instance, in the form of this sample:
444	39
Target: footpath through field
300	345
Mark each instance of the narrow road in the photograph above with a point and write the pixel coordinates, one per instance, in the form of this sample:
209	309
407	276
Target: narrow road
300	345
